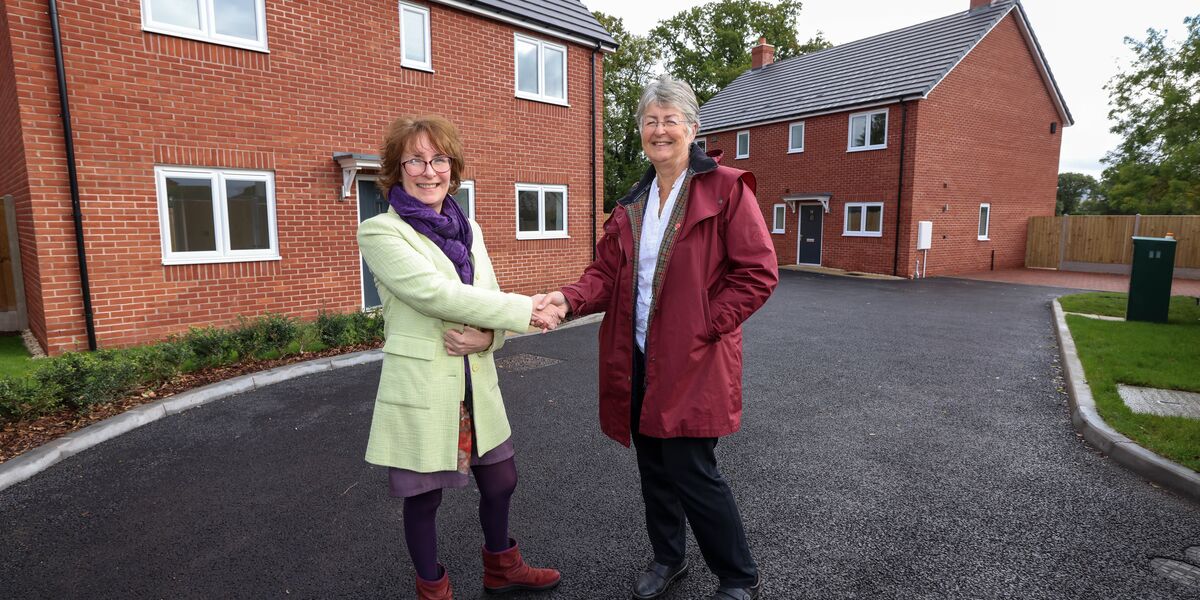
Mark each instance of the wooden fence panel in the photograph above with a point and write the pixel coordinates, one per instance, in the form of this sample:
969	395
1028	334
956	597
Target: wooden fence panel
1042	243
1103	239
1186	230
8	291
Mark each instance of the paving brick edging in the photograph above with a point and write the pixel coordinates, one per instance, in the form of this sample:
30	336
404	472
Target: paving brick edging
1107	440
35	461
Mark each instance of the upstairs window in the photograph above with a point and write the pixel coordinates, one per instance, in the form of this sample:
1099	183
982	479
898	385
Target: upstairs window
743	144
414	37
868	131
796	137
985	218
240	23
864	219
541	70
216	215
702	143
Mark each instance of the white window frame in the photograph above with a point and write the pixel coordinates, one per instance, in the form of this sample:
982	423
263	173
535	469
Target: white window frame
427	65
985	222
469	186
791	128
779	218
206	32
861	232
542	45
703	143
737	147
222	254
541	233
850	147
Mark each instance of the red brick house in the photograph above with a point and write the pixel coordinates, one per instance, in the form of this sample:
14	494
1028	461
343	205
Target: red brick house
223	150
955	122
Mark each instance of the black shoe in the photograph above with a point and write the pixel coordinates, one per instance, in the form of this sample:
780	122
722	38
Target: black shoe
657	578
730	593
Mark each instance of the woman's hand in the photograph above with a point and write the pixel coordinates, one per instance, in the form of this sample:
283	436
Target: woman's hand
467	341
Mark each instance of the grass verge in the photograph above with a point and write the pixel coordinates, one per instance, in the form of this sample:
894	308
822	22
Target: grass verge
14	358
1158	355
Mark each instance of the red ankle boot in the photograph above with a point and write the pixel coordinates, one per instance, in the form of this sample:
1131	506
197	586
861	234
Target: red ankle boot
435	590
506	572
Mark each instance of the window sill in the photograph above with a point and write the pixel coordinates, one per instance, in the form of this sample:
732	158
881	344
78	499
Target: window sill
778	231
417	66
795	150
542	236
171	262
862	234
200	37
984	238
867	148
741	156
542	99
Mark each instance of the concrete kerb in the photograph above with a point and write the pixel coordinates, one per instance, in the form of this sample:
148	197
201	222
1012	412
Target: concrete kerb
31	463
1107	440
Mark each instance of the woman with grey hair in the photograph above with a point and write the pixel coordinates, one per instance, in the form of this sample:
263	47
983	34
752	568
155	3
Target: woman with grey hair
684	260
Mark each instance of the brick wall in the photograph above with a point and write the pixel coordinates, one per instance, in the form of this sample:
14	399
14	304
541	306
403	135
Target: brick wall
985	138
826	167
982	136
331	83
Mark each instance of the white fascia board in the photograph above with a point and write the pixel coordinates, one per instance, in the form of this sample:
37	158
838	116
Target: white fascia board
471	8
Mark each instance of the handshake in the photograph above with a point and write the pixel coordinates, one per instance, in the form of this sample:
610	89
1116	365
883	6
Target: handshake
549	310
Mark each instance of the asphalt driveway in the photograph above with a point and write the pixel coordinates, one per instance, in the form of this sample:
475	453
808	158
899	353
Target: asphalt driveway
902	439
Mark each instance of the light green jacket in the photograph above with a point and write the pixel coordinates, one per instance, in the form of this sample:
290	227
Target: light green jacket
416	418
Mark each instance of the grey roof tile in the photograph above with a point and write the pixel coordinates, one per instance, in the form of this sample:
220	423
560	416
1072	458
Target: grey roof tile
567	16
907	62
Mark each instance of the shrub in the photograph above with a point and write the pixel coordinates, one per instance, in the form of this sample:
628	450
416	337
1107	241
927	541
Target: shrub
82	379
211	346
334	329
24	398
159	362
275	332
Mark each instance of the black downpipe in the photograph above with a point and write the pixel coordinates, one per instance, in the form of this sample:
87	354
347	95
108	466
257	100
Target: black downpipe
593	129
900	184
72	176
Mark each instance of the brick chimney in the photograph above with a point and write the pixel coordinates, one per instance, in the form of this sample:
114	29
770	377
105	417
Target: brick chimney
977	4
761	55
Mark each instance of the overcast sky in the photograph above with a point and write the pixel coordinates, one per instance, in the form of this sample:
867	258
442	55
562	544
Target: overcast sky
1082	40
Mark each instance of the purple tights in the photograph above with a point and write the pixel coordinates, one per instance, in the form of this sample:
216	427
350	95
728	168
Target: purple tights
496	485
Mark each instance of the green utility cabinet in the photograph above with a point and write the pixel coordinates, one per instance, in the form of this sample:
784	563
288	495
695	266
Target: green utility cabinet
1150	279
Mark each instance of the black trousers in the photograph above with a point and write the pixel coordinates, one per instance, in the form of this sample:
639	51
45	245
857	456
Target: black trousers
681	484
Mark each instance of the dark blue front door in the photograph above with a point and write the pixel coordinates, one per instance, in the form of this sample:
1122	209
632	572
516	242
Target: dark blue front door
370	203
809	252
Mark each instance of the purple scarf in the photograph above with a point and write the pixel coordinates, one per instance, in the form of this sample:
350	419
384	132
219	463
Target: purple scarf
449	230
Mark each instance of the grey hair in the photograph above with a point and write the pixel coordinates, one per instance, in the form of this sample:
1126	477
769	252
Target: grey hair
668	91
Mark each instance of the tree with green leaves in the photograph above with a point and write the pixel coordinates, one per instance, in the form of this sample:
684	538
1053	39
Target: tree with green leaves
1075	192
708	46
626	73
1156	107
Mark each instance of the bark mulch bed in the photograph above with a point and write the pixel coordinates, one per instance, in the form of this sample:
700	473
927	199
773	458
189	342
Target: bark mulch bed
21	436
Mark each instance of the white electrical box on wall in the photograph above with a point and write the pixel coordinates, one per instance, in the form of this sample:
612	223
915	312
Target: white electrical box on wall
924	234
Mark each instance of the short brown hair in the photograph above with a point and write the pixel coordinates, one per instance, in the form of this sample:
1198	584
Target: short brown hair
442	134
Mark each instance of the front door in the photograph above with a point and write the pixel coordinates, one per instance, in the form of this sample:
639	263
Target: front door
370	203
809	246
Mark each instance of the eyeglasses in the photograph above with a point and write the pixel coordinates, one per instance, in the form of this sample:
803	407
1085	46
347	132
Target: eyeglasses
669	124
416	166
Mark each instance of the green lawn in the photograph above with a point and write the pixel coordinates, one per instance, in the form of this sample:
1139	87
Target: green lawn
1160	355
14	359
1183	309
